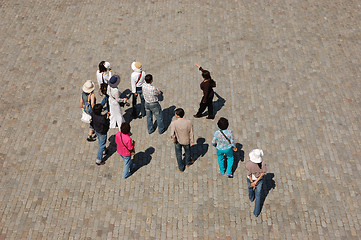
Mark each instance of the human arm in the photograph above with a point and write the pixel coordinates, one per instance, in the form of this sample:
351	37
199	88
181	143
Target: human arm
133	80
99	78
191	135
232	141
81	102
173	137
92	99
254	183
214	140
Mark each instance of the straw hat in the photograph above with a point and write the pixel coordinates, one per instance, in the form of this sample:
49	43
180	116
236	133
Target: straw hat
136	66
88	86
256	155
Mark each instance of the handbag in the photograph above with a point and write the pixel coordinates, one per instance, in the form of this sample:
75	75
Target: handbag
85	117
103	86
132	152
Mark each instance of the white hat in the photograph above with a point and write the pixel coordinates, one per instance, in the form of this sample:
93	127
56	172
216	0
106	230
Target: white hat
88	86
107	65
136	66
256	155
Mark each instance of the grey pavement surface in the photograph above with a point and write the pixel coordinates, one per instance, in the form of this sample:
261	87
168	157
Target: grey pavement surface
288	76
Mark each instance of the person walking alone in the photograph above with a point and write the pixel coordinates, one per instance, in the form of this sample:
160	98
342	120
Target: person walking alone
224	142
181	133
256	169
137	80
152	105
207	86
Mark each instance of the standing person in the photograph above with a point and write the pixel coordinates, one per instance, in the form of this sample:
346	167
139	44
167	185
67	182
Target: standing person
181	133
207	99
152	105
87	102
116	116
100	123
256	169
137	80
224	142
104	73
125	146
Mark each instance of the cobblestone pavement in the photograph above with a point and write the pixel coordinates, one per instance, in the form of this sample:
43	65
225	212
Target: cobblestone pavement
288	79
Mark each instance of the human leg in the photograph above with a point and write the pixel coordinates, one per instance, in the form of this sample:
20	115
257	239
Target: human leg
105	102
102	140
157	109
202	107
257	205
229	155
127	166
142	103
209	104
250	191
220	156
178	154
149	114
91	136
187	151
134	105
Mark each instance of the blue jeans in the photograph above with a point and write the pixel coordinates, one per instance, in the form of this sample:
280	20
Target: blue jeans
128	166
105	101
229	155
255	194
178	153
102	140
142	103
156	109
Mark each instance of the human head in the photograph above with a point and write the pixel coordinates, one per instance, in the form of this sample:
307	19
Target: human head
179	112
101	67
148	78
206	74
223	123
136	66
97	109
88	86
114	81
125	128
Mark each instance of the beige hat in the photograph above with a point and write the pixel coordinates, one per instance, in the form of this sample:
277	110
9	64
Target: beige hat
88	86
256	155
136	65
107	65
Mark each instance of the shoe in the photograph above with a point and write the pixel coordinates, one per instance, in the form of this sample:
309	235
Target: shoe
209	117
230	176
91	138
180	170
100	163
105	152
196	116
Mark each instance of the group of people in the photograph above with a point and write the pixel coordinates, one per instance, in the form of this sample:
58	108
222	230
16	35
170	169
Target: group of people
108	114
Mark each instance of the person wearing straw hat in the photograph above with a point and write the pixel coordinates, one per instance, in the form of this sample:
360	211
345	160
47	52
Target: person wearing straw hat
87	102
137	80
116	116
256	169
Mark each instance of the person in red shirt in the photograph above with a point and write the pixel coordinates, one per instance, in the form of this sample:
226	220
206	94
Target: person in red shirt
125	147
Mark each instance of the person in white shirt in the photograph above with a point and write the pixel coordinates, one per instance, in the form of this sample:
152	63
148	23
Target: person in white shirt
104	73
116	116
137	80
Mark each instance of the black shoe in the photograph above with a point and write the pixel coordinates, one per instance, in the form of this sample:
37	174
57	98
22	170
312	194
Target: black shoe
230	176
196	116
91	138
210	117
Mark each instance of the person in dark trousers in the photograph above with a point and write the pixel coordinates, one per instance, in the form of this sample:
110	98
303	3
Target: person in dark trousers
207	100
100	123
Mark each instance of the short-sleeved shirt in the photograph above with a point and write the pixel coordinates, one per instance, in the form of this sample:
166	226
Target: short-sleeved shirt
150	93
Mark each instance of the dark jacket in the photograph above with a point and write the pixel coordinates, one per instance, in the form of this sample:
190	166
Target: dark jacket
100	123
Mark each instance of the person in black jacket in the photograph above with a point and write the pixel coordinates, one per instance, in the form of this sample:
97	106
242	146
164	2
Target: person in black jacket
100	123
207	100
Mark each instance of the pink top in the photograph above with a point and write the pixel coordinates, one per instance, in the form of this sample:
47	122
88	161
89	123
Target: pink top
121	149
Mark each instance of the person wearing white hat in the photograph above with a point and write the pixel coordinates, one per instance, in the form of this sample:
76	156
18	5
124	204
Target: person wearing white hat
137	80
116	116
256	169
104	73
87	102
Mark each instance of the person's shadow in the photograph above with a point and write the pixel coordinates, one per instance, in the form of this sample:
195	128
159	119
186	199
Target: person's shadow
141	159
199	149
127	108
237	156
217	105
268	184
168	114
112	148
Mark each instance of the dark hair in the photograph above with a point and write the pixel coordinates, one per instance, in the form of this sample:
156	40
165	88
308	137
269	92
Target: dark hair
97	109
148	78
179	112
206	74
101	67
125	128
223	123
